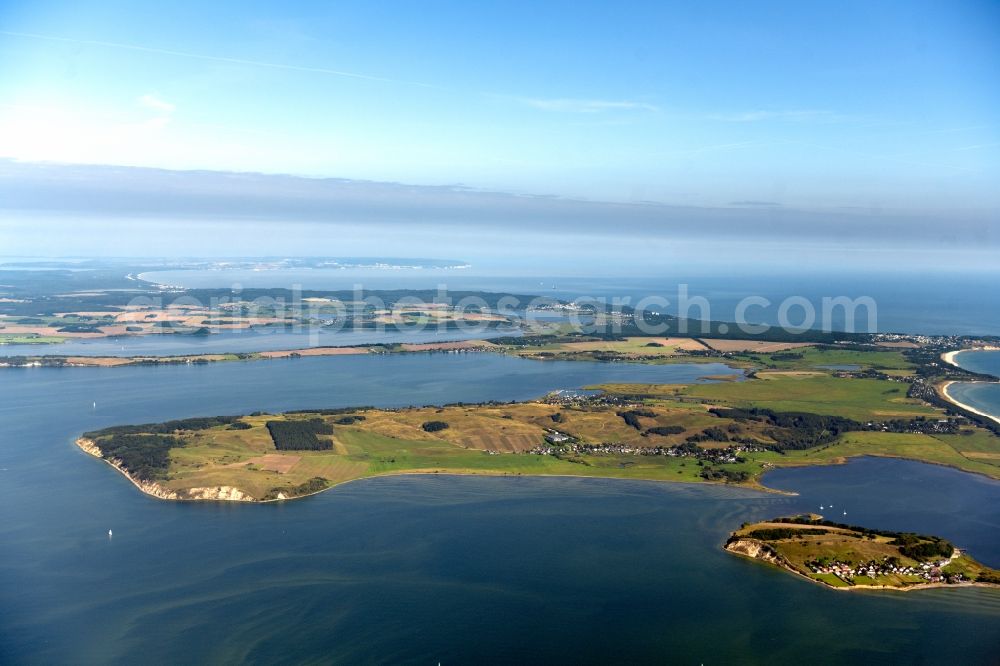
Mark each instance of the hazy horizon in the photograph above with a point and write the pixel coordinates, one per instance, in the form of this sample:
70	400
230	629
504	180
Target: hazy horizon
238	215
607	141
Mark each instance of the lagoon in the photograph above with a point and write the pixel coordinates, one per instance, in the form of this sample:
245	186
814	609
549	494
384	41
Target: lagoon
433	568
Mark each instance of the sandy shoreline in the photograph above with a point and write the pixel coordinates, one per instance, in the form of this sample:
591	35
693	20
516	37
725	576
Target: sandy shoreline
947	396
949	357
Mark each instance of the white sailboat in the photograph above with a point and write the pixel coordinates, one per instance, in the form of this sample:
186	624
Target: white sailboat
110	534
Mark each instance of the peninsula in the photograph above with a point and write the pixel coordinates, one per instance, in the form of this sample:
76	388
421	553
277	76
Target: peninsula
729	430
847	557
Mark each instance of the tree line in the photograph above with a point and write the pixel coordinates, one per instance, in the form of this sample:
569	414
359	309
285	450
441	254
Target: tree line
145	457
196	423
300	435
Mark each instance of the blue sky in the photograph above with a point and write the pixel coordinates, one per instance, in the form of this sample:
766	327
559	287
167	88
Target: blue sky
816	106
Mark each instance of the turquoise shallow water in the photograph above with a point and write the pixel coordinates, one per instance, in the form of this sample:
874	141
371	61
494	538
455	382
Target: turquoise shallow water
428	568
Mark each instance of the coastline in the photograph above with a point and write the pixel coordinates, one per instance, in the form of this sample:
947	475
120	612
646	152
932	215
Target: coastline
943	392
760	552
950	357
153	489
229	493
232	494
55	360
844	459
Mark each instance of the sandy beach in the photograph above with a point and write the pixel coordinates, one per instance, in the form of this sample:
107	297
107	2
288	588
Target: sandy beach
947	396
949	357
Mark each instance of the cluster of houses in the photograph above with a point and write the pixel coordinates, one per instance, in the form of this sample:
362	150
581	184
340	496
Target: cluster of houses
560	306
579	397
561	443
944	341
913	339
947	426
930	572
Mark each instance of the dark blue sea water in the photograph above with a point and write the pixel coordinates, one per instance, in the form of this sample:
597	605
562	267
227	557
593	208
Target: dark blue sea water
438	569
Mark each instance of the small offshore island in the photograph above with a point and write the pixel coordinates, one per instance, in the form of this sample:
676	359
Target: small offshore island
847	557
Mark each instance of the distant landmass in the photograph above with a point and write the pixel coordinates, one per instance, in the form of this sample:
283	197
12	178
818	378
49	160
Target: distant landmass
245	263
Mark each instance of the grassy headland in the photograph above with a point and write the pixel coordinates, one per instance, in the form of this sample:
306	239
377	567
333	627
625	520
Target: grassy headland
729	432
850	557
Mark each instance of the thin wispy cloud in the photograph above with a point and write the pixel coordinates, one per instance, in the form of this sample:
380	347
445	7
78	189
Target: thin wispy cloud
793	115
565	105
587	105
151	101
213	58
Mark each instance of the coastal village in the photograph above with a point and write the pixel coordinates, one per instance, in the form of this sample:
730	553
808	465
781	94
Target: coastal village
931	572
559	443
851	557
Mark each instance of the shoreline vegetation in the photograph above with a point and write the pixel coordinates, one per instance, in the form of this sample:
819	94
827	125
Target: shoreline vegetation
773	349
707	431
55	309
51	360
113	302
230	494
804	358
848	557
800	405
741	354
